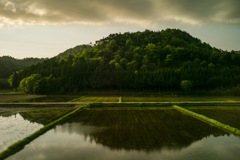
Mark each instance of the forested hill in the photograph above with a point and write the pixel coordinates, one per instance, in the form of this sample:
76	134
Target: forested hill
8	65
72	51
164	60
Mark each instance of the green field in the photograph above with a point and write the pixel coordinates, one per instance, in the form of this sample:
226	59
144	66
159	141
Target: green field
226	114
175	98
115	97
155	98
93	99
17	98
35	98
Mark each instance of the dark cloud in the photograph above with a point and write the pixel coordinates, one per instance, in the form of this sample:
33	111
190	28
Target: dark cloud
206	10
202	9
232	10
100	11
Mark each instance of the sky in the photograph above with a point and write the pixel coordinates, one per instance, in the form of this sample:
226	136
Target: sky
45	28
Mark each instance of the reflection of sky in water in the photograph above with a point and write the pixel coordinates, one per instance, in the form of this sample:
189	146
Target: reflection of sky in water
14	128
71	141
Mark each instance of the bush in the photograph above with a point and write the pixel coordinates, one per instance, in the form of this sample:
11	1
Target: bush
186	85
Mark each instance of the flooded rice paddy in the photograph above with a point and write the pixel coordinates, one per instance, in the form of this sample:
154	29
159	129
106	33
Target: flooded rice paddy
132	133
14	128
17	123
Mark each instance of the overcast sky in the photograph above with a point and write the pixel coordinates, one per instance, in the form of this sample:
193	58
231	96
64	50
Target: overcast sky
44	28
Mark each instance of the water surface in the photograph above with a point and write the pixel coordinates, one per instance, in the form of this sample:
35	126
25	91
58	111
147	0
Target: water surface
72	142
13	127
16	123
132	133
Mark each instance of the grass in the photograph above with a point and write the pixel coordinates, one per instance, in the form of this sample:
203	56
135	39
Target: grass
226	114
115	98
120	100
35	98
55	98
175	98
125	105
9	92
96	99
20	144
208	120
17	97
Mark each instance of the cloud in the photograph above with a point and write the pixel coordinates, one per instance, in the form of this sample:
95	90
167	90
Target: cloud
204	10
105	11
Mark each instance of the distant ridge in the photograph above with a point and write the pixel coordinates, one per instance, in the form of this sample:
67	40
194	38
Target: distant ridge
72	51
8	64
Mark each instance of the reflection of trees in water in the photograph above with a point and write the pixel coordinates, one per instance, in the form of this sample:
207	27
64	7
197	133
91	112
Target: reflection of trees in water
142	129
14	128
40	115
44	115
7	113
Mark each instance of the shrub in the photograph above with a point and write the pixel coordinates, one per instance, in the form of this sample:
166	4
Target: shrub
186	85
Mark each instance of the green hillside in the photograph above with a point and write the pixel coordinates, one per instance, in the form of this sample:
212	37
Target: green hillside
9	65
164	60
72	51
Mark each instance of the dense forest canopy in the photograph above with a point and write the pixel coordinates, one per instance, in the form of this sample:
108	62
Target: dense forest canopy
170	59
8	65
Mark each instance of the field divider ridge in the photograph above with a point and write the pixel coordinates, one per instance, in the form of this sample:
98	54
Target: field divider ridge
120	99
208	120
19	145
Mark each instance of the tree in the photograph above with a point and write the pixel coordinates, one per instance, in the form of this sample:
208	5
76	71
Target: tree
13	81
186	85
29	84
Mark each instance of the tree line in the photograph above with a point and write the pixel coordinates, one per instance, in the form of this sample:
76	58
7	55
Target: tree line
151	60
8	65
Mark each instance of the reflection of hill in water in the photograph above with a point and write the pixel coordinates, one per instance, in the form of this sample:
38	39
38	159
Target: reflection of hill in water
13	127
44	115
37	114
6	113
140	129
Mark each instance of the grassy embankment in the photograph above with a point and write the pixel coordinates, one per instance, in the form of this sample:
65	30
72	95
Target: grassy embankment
225	114
208	120
20	144
96	99
120	100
